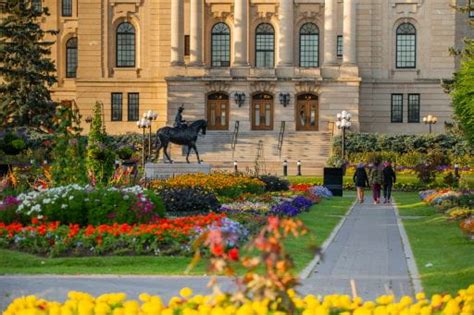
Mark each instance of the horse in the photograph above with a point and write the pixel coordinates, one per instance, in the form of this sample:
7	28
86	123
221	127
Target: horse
183	136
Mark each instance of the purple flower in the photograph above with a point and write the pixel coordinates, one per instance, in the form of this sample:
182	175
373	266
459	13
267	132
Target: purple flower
301	202
285	208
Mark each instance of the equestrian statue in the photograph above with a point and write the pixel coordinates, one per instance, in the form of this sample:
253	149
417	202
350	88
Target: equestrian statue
182	134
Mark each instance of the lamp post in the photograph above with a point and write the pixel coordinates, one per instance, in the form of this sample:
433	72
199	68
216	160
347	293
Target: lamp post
298	164
430	120
343	122
150	116
236	167
143	124
285	168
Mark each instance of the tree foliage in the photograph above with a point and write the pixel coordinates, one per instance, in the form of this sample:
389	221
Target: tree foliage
100	158
69	147
26	70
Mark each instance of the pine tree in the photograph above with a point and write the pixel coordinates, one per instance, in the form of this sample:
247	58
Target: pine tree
26	70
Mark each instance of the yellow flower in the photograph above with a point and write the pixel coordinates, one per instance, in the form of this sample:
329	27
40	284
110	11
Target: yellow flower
186	292
420	296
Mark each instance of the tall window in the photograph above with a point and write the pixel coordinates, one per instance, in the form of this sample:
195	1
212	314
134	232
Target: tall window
309	45
220	45
37	5
187	48
66	7
471	9
397	108
71	58
133	106
125	45
406	46
413	108
340	42
116	113
264	46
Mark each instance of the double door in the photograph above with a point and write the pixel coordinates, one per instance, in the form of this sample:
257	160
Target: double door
307	112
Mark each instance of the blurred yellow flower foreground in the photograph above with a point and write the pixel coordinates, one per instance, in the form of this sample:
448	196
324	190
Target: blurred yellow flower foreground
186	304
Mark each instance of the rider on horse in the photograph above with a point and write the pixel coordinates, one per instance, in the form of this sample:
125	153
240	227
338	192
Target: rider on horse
179	122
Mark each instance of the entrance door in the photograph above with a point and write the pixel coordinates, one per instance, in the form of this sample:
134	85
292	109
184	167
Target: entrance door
262	112
218	111
307	112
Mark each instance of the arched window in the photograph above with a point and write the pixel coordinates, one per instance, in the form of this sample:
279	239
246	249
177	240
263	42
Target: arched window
309	45
71	58
264	46
218	111
220	45
66	7
125	45
406	46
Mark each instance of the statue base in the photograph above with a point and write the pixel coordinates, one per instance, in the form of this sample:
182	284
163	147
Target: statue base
163	171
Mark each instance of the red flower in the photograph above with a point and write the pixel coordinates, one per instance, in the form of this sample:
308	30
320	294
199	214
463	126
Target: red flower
234	254
34	221
217	250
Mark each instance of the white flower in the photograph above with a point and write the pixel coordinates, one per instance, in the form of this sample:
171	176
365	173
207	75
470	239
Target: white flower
71	197
126	197
64	206
46	201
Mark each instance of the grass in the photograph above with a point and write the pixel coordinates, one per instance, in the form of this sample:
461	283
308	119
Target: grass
444	256
320	220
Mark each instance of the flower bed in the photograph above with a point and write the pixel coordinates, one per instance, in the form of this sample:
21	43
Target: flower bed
83	205
163	237
226	185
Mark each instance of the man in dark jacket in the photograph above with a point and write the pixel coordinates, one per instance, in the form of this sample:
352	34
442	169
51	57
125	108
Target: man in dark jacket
389	178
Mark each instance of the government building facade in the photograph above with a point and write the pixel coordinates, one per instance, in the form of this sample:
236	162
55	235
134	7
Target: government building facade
271	68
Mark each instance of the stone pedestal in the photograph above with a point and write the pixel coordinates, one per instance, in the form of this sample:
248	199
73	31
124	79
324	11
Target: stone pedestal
163	171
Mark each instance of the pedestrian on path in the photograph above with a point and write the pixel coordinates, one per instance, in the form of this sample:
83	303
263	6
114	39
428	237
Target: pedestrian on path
376	180
389	178
361	181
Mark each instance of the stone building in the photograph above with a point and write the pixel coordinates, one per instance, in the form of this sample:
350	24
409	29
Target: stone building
282	69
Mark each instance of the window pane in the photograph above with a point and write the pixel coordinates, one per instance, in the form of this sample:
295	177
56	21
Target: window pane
268	115
257	115
309	45
220	45
71	58
340	41
37	5
66	7
264	46
414	108
116	106
133	106
406	46
125	45
397	108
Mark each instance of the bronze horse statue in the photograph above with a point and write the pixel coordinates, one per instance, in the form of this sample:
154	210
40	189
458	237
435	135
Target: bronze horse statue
182	136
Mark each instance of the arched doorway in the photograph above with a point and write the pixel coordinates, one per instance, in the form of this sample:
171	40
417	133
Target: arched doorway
262	112
307	112
218	111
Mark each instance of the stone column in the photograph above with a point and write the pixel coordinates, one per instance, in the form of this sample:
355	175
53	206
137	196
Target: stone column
330	29
177	33
241	58
349	29
285	50
195	40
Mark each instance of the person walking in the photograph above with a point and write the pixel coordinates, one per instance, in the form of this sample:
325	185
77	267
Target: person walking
361	181
376	180
389	178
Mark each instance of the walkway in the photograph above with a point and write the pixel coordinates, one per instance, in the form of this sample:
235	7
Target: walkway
368	249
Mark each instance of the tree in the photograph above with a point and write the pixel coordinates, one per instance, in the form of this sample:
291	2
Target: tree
461	87
26	70
100	158
69	148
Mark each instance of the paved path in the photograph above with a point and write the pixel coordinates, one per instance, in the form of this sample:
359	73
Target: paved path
368	249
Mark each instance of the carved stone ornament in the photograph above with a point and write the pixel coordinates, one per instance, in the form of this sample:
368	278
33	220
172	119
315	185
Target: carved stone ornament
221	11
308	11
217	86
268	87
308	87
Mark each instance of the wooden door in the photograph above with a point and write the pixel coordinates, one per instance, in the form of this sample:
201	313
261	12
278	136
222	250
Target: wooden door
262	112
307	113
218	111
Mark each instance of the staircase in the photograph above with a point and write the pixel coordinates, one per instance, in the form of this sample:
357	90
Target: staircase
215	148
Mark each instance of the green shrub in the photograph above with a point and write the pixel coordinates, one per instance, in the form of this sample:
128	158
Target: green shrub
274	183
185	200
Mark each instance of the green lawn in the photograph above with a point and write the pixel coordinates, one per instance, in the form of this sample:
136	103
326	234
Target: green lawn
320	220
444	256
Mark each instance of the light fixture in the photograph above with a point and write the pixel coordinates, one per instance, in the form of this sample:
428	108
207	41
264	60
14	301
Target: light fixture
343	122
239	98
285	99
430	120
